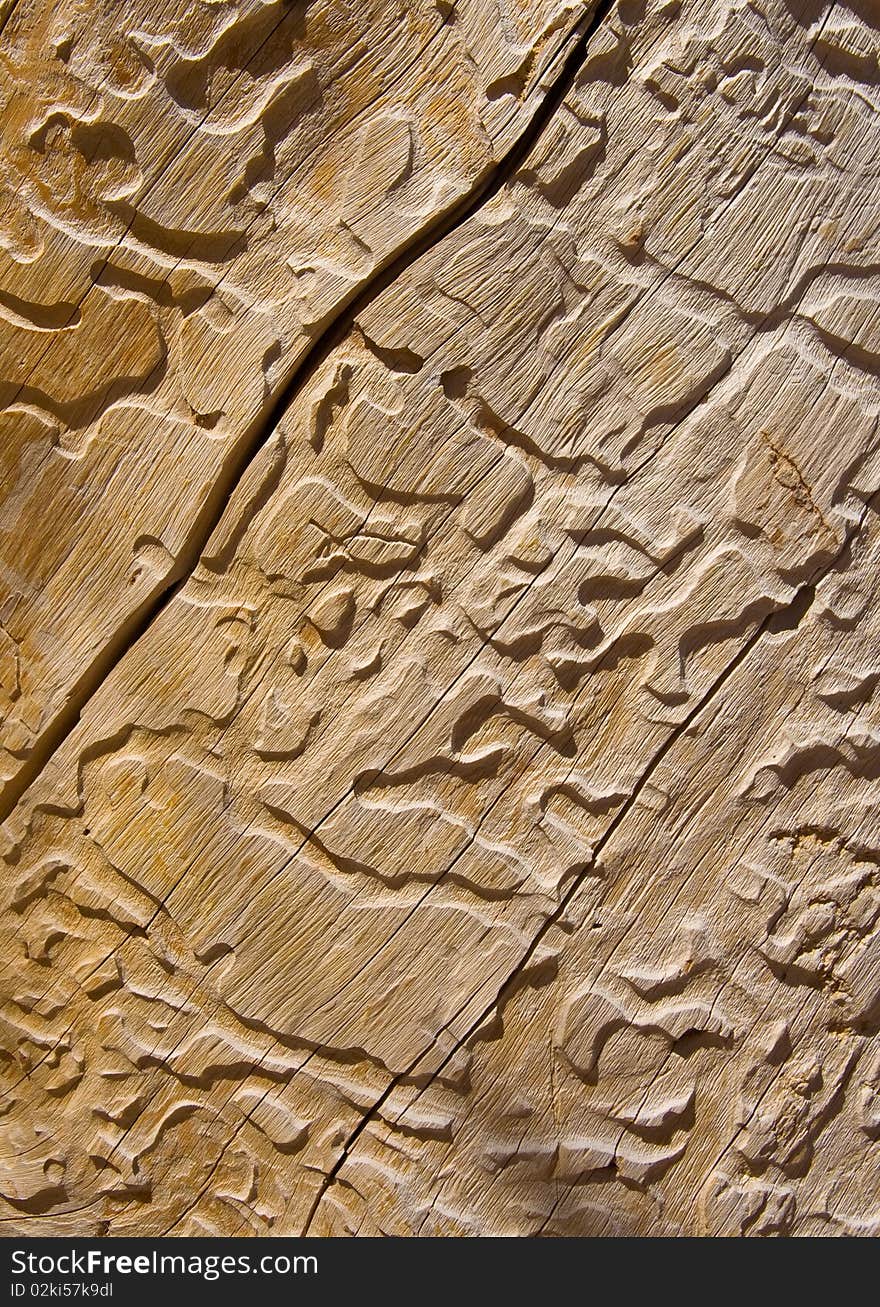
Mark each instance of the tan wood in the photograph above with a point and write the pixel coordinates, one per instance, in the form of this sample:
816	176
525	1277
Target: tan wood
483	839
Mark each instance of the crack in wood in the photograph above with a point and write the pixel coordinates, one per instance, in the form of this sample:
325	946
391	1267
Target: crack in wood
243	455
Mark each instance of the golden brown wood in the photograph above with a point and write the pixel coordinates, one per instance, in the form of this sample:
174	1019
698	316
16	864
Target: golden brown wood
483	839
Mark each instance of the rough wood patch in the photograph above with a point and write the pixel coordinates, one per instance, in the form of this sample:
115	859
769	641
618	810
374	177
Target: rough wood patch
439	638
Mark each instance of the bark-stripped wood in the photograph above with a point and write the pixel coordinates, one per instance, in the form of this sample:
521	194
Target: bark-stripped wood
483	839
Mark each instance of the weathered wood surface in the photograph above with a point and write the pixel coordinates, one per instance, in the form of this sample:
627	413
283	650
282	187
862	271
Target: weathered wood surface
189	192
483	839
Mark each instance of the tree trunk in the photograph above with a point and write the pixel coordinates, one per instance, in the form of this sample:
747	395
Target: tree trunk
439	636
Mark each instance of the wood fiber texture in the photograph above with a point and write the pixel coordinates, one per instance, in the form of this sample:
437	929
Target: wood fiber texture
440	650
